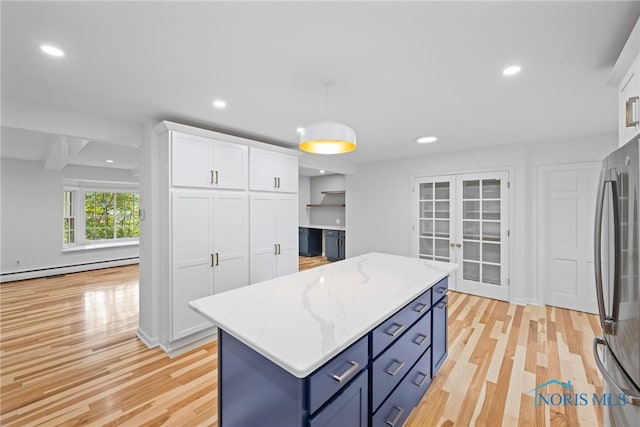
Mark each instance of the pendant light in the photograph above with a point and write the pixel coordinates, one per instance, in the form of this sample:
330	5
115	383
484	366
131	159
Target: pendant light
327	136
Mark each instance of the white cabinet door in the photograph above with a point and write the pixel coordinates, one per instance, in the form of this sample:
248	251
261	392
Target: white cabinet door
287	235
629	104
191	276
287	173
190	161
271	171
230	241
229	165
262	237
262	173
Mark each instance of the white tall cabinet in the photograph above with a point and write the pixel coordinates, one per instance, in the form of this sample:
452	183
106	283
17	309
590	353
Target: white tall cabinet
274	244
209	228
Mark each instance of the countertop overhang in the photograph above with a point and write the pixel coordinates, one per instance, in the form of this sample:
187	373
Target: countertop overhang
302	320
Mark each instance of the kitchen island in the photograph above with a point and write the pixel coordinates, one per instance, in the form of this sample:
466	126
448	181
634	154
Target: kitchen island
335	345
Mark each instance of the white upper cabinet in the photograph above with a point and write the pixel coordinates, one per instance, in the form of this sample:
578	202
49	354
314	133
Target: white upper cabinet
202	162
626	77
272	171
629	104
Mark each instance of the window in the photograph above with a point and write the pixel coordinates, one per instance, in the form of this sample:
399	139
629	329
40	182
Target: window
97	216
69	219
111	215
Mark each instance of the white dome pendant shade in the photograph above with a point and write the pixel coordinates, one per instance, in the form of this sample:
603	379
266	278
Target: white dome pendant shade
327	137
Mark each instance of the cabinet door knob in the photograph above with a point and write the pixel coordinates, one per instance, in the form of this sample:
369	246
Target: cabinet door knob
275	182
631	107
211	179
216	180
458	245
453	245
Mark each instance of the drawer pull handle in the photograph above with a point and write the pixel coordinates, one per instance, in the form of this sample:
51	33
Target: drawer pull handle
392	422
396	331
425	377
420	307
441	290
443	304
394	372
629	109
348	373
420	340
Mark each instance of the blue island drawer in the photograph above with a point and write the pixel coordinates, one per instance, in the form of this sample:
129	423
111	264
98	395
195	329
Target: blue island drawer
396	409
393	327
337	373
396	361
439	290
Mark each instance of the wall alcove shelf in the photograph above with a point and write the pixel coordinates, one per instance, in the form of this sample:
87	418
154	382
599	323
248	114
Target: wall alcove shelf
332	192
326	205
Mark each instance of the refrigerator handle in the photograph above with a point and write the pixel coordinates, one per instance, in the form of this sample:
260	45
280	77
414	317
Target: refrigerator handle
609	323
633	399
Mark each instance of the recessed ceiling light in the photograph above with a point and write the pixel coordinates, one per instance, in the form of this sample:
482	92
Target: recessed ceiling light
52	50
426	139
321	170
300	130
109	161
511	70
219	103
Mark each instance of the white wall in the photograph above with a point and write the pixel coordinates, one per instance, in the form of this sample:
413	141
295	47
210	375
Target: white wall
304	198
378	198
327	215
31	224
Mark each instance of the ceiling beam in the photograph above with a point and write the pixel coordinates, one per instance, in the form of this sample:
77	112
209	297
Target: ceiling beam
62	150
41	118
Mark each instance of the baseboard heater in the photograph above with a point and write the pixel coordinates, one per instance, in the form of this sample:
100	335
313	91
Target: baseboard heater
73	268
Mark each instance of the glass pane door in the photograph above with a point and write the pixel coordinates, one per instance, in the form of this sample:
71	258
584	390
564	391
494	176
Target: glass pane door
434	218
481	244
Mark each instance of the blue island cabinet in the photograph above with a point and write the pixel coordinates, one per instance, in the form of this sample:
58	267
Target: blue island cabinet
253	391
377	381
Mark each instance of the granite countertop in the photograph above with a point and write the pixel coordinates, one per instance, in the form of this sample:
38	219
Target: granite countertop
302	320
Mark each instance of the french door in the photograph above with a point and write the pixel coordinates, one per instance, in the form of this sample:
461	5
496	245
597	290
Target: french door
463	219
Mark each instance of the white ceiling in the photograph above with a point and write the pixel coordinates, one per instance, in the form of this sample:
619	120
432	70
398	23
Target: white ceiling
400	69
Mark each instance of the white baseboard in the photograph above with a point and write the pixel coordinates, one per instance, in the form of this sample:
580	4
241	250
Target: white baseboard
525	301
65	269
146	339
181	346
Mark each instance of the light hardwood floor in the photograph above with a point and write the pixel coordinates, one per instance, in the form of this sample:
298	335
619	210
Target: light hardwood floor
69	356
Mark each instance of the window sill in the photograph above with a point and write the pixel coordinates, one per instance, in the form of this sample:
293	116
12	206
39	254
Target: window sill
91	246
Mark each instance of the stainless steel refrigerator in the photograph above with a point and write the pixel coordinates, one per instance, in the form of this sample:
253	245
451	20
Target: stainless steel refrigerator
617	270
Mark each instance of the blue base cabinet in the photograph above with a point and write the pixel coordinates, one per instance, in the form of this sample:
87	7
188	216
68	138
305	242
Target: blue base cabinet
334	244
309	241
377	381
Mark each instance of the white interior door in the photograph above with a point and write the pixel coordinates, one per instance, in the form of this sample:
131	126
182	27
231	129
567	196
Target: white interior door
434	206
482	234
568	269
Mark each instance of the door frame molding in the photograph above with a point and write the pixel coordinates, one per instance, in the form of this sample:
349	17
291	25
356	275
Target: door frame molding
511	225
540	242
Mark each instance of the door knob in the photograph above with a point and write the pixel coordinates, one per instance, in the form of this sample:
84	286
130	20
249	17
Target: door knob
453	245
458	245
